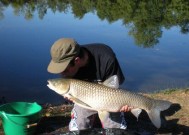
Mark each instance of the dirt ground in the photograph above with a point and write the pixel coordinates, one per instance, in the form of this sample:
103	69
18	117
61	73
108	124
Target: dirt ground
175	120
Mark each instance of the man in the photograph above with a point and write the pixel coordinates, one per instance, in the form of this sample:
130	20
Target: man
91	62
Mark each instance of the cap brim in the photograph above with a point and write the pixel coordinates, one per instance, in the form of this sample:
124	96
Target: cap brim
57	67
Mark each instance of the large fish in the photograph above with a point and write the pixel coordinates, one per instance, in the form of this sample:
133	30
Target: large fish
106	97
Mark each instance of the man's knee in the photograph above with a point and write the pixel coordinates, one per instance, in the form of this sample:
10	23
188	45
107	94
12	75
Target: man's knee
81	118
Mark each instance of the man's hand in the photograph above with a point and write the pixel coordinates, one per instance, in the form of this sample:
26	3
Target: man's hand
126	108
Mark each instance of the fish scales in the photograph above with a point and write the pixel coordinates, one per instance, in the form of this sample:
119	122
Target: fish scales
99	96
106	97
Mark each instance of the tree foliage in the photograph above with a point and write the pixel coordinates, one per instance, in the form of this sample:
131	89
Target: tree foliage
145	18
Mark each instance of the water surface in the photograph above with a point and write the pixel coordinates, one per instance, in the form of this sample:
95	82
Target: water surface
150	41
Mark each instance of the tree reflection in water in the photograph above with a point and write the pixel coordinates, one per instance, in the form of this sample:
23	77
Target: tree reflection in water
145	19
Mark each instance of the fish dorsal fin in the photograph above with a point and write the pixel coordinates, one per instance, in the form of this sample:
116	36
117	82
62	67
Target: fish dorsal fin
112	82
136	112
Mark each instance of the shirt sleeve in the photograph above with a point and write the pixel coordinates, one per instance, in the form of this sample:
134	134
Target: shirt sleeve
113	68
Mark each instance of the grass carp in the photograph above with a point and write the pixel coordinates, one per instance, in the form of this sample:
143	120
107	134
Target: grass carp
107	97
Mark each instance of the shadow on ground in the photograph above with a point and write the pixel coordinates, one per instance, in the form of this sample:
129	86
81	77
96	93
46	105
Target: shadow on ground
58	125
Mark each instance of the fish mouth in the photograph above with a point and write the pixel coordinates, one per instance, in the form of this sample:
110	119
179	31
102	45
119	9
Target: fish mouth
48	81
54	87
50	85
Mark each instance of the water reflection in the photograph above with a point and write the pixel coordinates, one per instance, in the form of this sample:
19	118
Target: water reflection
145	19
150	39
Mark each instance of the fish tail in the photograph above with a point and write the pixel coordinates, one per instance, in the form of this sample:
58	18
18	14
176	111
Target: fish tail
154	113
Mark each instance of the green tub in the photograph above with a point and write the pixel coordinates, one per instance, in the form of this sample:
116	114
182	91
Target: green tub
20	118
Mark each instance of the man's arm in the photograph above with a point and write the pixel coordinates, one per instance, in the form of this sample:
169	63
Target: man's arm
113	68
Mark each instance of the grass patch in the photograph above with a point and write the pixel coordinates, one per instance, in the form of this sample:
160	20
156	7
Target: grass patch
170	91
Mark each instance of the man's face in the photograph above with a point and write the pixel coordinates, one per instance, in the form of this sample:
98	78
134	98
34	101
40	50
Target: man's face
70	71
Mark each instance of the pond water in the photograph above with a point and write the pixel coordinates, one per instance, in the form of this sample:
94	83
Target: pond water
150	40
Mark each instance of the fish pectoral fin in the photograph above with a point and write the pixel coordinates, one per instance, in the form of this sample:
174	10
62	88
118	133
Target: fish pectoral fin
136	112
80	103
103	115
112	82
154	116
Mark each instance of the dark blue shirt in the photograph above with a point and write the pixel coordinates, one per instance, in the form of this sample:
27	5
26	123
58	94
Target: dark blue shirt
102	64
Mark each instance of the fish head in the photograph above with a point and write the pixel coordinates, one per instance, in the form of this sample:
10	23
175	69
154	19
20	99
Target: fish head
59	85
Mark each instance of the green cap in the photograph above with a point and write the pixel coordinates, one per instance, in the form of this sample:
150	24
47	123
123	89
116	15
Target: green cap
62	52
